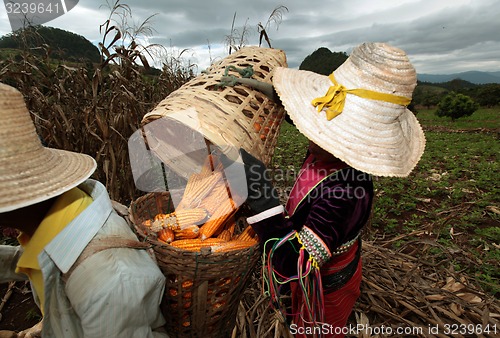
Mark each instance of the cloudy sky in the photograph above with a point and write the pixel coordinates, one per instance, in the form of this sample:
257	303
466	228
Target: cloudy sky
440	36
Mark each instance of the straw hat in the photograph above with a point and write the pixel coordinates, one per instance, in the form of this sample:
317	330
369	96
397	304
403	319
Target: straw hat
374	131
29	172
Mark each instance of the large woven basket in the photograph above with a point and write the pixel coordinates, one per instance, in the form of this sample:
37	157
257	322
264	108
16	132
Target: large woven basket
203	289
234	115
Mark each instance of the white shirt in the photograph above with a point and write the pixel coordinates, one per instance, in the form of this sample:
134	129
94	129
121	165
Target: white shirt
113	293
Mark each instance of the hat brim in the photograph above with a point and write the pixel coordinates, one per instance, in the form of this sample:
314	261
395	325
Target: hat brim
45	174
376	137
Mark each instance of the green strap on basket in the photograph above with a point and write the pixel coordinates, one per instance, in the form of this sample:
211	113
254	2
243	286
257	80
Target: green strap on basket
231	80
246	79
246	72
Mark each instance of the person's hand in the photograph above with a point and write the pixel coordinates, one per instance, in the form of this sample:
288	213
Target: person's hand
33	332
261	192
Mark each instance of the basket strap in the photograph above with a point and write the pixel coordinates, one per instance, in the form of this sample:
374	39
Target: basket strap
264	87
100	244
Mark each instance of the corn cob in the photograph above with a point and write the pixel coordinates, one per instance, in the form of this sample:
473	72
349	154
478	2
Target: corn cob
232	245
224	282
166	235
177	220
247	234
162	221
188	217
223	226
192	181
187	284
213	200
208	167
225	235
232	226
200	190
195	244
191	231
218	218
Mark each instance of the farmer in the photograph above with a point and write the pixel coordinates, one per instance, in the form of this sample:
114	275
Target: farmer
89	275
358	126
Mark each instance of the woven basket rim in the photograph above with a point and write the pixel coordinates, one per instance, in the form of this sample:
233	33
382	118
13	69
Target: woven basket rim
206	253
203	253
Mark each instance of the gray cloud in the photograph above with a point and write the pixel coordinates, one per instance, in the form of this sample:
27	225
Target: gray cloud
439	36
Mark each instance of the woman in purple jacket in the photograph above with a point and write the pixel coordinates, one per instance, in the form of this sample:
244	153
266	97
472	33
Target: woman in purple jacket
358	126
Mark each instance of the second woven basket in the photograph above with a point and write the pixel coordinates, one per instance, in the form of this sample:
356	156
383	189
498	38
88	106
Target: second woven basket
235	115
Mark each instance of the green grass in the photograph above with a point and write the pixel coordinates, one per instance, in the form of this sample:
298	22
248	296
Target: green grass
289	154
453	193
482	118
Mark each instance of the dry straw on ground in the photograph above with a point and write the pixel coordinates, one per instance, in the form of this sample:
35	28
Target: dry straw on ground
416	291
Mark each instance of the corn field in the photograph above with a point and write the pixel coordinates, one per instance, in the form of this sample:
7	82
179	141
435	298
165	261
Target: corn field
93	109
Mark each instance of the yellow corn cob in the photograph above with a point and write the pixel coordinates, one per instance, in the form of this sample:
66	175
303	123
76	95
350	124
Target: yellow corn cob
213	200
191	231
225	235
247	234
232	226
177	220
188	217
232	245
166	235
195	244
190	189
201	189
218	167
208	166
187	284
162	221
192	181
218	218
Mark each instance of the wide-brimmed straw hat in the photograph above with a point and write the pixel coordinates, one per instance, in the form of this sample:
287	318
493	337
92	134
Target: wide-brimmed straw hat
359	113
29	172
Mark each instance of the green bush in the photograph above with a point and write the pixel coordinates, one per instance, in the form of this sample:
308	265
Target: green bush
456	105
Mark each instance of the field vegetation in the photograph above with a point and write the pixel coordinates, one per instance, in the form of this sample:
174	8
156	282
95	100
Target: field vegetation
452	196
433	235
94	108
442	221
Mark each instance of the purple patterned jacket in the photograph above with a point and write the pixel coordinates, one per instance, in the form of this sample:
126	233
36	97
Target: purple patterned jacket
334	204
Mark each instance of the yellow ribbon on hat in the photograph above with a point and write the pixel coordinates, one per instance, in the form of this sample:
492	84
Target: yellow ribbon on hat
334	99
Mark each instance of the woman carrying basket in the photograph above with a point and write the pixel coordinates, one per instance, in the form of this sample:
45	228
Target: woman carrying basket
358	126
89	274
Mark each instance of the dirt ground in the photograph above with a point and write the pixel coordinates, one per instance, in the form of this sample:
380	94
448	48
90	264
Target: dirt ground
19	311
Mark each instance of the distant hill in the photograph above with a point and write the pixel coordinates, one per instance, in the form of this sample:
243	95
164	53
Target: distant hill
472	77
323	61
64	45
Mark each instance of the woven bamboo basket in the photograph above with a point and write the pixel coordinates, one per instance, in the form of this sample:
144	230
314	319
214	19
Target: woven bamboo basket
235	115
203	289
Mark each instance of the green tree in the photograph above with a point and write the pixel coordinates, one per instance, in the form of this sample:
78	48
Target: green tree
488	95
456	105
430	99
427	95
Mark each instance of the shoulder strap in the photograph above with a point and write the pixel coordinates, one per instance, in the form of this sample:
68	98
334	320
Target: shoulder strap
100	244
